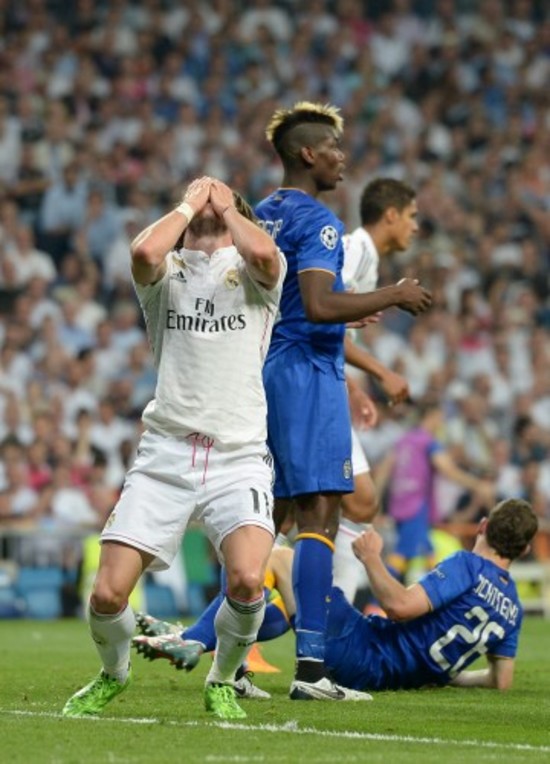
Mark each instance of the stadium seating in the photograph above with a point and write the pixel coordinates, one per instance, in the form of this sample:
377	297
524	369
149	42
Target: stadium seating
160	601
40	589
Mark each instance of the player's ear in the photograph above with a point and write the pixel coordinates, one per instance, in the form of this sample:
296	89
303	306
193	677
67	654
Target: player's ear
526	551
307	154
391	214
482	526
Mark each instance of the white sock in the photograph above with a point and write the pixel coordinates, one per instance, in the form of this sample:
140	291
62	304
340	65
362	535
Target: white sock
112	634
348	573
236	625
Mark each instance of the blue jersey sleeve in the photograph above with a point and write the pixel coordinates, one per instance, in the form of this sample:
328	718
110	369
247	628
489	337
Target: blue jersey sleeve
321	247
508	646
448	580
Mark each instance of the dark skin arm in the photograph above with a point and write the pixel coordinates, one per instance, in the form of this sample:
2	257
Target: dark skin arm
323	305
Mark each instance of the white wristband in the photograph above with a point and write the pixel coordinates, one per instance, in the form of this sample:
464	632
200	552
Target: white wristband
187	210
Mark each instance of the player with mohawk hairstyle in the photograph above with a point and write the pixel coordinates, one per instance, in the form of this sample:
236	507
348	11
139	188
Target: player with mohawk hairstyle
309	427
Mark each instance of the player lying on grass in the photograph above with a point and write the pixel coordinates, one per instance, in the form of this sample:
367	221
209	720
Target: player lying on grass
467	606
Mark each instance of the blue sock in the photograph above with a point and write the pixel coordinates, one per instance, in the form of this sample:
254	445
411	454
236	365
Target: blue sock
274	624
311	580
203	630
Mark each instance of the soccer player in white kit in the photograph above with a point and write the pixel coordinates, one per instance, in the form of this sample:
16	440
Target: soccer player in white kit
209	307
388	214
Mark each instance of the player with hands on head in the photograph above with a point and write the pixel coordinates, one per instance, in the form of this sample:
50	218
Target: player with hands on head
209	281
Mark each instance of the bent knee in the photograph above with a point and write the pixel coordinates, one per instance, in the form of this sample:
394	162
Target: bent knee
245	584
106	598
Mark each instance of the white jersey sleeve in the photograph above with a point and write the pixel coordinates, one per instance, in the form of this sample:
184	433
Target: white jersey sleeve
360	270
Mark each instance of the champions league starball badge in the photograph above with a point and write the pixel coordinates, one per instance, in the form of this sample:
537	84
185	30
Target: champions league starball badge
329	236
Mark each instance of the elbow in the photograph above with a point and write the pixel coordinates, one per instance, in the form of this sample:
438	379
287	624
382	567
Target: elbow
396	611
503	685
142	254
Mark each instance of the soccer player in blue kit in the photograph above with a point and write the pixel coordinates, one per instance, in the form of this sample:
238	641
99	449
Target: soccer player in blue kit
467	606
309	427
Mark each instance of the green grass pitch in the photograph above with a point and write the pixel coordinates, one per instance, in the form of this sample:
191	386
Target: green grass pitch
160	718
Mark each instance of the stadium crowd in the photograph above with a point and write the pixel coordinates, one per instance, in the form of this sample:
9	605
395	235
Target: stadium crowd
108	109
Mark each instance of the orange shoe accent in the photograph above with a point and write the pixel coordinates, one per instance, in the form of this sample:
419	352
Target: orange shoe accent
258	664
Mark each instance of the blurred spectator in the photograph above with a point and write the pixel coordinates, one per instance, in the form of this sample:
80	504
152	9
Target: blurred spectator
101	226
107	111
62	212
27	260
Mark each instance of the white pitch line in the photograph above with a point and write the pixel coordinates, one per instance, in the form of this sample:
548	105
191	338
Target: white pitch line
293	728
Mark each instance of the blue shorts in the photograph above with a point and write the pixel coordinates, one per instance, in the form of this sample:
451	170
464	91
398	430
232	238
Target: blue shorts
413	536
351	651
308	423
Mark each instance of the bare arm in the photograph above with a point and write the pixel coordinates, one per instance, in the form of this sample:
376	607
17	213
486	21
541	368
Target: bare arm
499	675
400	603
394	385
324	306
445	464
150	247
255	246
363	409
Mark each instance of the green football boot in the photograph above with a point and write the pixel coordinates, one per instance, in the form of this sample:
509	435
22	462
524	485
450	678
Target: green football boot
92	699
220	700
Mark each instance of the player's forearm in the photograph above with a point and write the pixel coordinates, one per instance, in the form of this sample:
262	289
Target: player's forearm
255	246
342	307
499	675
480	678
453	472
359	358
153	244
389	592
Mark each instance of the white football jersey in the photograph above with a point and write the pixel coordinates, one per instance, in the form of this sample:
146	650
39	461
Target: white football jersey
209	324
360	269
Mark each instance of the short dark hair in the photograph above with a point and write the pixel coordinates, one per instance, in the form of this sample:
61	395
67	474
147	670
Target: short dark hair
380	195
511	526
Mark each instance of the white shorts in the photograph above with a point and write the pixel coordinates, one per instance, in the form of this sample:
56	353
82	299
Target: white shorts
359	463
173	481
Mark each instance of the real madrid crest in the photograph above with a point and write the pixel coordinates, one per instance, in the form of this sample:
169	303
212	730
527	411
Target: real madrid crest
232	279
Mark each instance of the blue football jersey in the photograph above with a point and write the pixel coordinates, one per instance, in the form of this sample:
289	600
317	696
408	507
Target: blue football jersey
476	611
310	235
